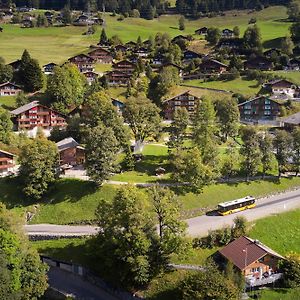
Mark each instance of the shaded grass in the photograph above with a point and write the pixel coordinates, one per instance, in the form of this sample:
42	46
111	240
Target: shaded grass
281	294
7	101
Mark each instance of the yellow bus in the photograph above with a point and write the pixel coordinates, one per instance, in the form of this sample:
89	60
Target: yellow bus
234	206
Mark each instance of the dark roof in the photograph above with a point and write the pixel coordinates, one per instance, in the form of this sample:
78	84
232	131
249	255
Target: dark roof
186	92
7	153
24	108
50	64
260	97
280	83
244	251
6	83
215	62
293	119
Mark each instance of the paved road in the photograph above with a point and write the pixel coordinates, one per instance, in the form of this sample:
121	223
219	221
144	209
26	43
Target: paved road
198	226
72	284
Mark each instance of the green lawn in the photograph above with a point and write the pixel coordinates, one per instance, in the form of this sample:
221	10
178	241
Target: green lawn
280	232
241	86
281	294
59	43
290	75
7	101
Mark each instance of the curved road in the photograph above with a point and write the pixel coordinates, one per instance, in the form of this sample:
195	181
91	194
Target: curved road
198	226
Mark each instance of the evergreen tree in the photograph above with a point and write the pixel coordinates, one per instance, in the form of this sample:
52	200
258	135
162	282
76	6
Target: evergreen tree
103	37
181	23
213	35
6	72
252	38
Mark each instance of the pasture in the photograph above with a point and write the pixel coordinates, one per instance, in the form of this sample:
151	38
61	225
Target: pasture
59	43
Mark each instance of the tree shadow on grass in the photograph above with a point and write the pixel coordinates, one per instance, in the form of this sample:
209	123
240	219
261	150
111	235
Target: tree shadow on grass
150	163
70	189
11	194
273	43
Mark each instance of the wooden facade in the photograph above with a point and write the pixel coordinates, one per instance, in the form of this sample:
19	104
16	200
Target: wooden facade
117	78
101	55
124	66
32	115
7	163
185	100
83	62
212	66
259	109
9	89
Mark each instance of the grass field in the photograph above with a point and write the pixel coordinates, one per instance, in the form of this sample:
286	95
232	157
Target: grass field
59	43
280	232
7	101
281	294
240	85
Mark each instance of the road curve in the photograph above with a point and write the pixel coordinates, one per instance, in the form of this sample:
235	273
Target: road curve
198	226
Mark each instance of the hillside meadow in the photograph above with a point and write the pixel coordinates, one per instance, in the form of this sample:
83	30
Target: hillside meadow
56	44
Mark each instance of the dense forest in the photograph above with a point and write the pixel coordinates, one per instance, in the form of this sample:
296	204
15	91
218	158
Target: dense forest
149	7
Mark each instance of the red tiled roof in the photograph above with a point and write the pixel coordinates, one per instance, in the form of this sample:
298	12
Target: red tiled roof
244	251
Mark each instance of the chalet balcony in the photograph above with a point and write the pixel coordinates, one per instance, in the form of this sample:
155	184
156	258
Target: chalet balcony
8	166
253	282
43	113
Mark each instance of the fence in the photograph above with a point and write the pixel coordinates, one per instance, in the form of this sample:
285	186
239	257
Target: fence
90	277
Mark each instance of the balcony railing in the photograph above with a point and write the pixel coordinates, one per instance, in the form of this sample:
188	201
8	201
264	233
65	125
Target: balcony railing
252	282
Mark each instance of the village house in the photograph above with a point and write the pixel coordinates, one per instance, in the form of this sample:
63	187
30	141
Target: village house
259	63
212	66
117	78
7	163
120	48
185	100
158	60
283	87
82	20
260	109
293	65
142	52
15	65
48	68
272	52
124	66
130	45
9	89
118	104
189	55
179	37
201	31
91	76
70	152
83	62
227	33
34	115
101	55
258	263
233	43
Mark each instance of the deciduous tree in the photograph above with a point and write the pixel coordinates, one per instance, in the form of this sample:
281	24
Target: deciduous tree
38	160
5	125
266	149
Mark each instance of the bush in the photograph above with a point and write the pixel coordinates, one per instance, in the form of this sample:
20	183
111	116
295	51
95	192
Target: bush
121	18
291	270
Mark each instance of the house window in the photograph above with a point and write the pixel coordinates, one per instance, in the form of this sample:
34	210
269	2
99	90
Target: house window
267	101
247	106
247	112
254	270
191	98
267	113
267	106
177	102
191	103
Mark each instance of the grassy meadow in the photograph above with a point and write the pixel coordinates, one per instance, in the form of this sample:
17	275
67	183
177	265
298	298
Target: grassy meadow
59	43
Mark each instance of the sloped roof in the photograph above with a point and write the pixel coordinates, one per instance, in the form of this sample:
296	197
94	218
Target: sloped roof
10	83
244	251
24	108
67	143
293	119
7	153
178	95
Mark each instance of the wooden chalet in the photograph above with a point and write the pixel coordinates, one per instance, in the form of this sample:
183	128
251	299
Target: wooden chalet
185	100
83	62
260	109
101	55
7	163
124	66
232	43
116	77
258	263
227	33
15	65
201	31
293	65
212	66
120	48
90	76
70	152
158	60
282	86
142	52
180	37
189	55
130	45
33	115
9	89
118	104
48	68
259	63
